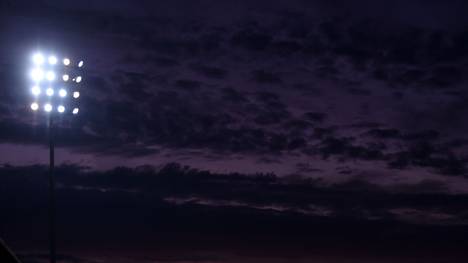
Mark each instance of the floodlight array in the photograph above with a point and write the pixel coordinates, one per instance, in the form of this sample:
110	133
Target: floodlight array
53	81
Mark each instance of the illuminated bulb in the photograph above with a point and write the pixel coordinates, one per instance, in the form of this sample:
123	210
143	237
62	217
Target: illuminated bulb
60	109
65	77
75	111
80	64
37	74
48	107
66	61
34	106
62	93
50	92
38	59
76	94
36	90
50	75
78	79
52	60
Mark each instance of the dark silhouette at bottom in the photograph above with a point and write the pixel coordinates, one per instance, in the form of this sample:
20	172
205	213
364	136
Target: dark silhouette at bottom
6	255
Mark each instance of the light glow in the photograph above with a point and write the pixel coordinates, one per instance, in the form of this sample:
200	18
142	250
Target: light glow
48	107
38	59
48	68
50	75
34	106
36	90
52	60
37	74
50	92
62	93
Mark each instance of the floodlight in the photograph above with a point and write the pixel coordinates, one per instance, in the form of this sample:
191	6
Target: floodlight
52	98
34	106
37	74
50	75
38	59
50	91
62	93
36	90
48	107
52	60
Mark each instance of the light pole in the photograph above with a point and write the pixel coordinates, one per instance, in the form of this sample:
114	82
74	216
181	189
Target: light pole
54	84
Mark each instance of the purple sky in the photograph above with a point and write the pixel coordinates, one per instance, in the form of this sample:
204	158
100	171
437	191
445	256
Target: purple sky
334	92
251	90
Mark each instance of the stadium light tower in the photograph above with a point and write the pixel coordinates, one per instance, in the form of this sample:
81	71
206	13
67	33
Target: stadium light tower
55	89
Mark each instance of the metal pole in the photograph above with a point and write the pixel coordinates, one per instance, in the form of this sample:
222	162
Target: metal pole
51	191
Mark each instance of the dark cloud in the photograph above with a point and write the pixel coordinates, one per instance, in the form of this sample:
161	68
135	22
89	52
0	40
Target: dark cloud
385	133
447	76
286	47
315	116
428	135
321	132
269	118
426	154
251	40
359	91
297	124
132	85
250	191
266	96
328	72
159	61
344	148
188	84
266	77
159	200
232	95
209	71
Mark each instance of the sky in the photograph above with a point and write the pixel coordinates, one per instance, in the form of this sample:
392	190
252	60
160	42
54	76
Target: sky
304	114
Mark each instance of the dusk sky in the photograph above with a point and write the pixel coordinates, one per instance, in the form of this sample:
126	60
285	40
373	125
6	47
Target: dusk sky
311	128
